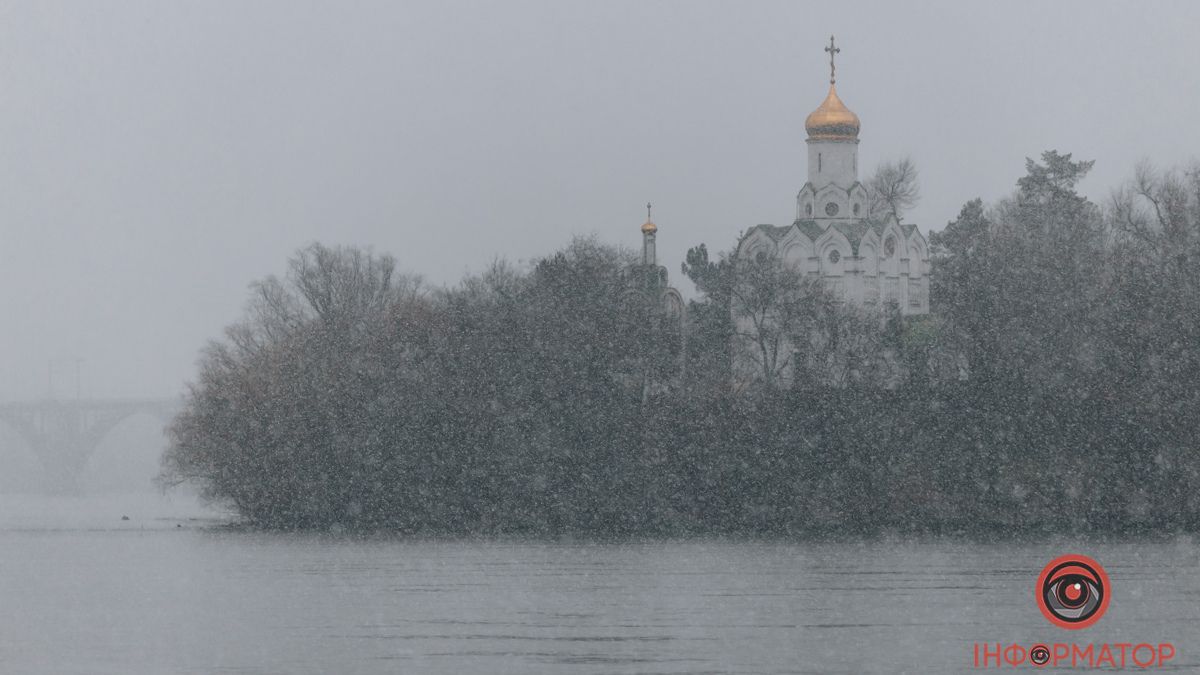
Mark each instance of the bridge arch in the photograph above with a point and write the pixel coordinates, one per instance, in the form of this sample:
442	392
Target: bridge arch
22	468
64	434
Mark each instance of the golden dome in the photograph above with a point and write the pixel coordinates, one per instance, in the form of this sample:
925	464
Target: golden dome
649	227
832	121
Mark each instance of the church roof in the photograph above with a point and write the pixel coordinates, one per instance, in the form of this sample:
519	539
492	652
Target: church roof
852	229
775	232
809	228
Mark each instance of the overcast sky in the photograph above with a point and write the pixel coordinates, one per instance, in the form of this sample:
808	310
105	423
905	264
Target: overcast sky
159	156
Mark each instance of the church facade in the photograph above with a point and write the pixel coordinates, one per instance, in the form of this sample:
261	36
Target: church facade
865	261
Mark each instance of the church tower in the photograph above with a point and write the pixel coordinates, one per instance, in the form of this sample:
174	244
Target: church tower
649	231
648	278
832	190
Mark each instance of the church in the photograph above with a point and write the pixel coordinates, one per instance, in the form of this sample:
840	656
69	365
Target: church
868	262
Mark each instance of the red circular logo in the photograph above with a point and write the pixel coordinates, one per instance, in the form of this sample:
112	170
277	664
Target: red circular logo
1072	591
1039	655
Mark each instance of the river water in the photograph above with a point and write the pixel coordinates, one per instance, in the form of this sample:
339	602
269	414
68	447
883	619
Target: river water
170	591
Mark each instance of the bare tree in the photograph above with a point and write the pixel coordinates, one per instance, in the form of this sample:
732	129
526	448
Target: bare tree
893	189
1158	211
845	347
771	304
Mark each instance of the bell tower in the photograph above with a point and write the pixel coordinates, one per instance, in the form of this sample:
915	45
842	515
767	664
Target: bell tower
649	232
832	154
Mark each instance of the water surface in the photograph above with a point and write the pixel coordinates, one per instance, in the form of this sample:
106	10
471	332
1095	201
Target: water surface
168	591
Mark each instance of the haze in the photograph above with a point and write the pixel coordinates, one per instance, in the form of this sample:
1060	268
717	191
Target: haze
158	157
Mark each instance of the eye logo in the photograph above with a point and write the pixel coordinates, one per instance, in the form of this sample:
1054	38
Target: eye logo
1072	591
1039	655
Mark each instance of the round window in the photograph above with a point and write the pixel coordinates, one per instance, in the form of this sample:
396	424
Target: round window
808	209
831	209
834	256
760	256
889	246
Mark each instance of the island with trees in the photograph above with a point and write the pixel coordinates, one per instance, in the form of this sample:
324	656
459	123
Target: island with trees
1053	388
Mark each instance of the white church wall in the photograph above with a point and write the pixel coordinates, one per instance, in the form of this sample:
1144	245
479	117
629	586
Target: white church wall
805	201
919	257
858	201
832	194
755	243
853	285
798	253
870	291
869	259
832	259
918	297
892	249
831	161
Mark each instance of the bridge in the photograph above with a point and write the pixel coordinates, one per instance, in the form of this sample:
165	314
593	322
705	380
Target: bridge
64	434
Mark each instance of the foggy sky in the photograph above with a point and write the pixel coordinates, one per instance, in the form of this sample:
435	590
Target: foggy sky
159	156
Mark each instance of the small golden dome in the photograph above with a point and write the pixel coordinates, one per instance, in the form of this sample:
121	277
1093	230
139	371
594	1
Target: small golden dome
649	227
832	121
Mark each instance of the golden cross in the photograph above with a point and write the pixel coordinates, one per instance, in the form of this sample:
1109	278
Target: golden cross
832	50
647	211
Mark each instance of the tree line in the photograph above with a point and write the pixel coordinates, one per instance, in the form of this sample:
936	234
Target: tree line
1053	388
